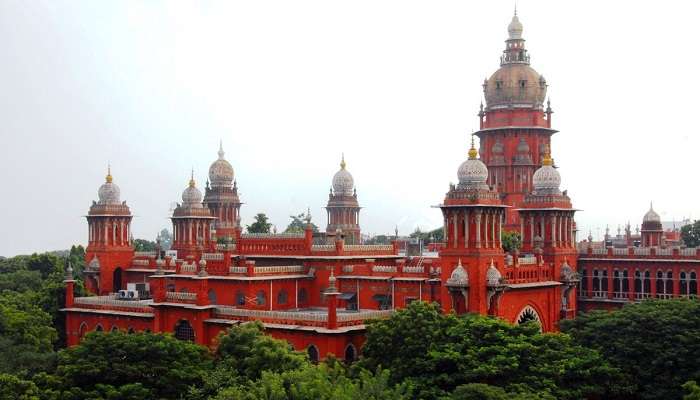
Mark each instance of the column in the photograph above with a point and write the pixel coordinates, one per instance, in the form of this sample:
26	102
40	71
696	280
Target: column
454	229
493	230
466	228
486	230
477	225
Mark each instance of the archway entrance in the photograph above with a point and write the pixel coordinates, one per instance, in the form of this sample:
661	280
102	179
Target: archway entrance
528	314
117	280
184	331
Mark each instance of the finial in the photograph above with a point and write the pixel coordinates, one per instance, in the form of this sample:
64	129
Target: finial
192	178
547	158
108	178
69	272
221	149
459	263
308	215
472	151
342	161
515	9
651	205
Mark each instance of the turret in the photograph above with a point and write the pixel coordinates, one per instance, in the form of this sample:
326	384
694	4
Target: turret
343	208
221	196
191	224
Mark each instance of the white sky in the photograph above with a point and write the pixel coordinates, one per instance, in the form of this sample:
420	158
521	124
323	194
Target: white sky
151	86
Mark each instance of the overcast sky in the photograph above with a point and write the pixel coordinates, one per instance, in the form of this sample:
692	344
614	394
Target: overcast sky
152	86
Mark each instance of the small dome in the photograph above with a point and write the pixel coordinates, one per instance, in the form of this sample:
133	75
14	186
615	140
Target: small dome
94	263
472	173
651	215
459	276
343	184
221	171
523	147
493	276
515	28
568	273
546	179
192	197
109	192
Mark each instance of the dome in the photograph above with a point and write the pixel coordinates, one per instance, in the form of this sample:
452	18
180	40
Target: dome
343	184
568	273
94	264
473	173
192	197
108	193
459	276
651	215
493	276
497	147
221	171
515	84
546	179
515	28
523	147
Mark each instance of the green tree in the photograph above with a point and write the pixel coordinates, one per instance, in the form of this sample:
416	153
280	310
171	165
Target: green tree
144	245
510	241
13	388
298	224
261	224
690	234
655	343
166	239
693	391
110	364
379	239
438	353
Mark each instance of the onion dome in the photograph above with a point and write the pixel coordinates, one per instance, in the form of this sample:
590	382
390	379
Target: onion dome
343	184
94	264
473	173
567	273
546	179
493	276
192	197
109	191
459	276
515	28
651	215
221	171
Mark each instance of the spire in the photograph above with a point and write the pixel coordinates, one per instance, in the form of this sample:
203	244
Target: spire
547	158
108	178
192	178
221	149
342	161
472	150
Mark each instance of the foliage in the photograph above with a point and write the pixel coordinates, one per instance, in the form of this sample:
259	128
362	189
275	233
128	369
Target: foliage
690	234
261	224
13	388
379	239
655	343
108	365
438	353
298	224
436	235
693	391
144	245
510	241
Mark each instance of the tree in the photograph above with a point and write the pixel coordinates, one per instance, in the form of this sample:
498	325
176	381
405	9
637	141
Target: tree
298	224
261	224
436	235
510	241
144	245
693	391
166	239
142	364
438	353
655	343
379	239
14	388
691	234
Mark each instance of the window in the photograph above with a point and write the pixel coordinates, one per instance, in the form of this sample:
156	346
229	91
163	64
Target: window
83	329
260	298
583	288
597	283
240	298
130	331
313	354
282	297
522	84
302	295
693	284
499	85
350	353
184	331
617	285
684	283
669	283
114	328
170	287
98	328
212	296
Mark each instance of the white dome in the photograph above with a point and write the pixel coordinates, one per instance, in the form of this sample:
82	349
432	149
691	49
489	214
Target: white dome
459	276
192	197
546	180
515	28
343	184
109	192
493	276
651	215
221	171
473	173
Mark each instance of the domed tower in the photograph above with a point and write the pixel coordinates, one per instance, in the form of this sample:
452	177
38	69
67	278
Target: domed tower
343	208
652	231
109	246
473	215
514	125
191	224
221	196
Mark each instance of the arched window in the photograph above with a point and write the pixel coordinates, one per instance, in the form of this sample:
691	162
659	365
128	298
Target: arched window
240	298
302	296
114	328
313	353
597	291
669	284
647	283
212	296
617	284
82	330
184	331
638	285
117	280
583	288
170	287
693	284
130	331
350	353
660	285
98	328
625	282
260	298
604	283
282	297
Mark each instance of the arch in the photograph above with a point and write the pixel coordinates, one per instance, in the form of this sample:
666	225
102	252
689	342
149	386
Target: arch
260	298
528	314
82	330
350	353
211	294
130	330
282	297
693	284
98	328
669	284
114	328
170	287
117	280
240	298
184	331
313	353
683	279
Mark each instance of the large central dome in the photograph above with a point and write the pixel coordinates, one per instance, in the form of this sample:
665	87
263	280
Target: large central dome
221	171
515	84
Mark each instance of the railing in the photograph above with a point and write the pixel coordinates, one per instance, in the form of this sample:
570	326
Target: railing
308	318
145	254
690	251
181	296
224	247
348	269
600	294
188	268
112	303
364	315
323	247
384	268
602	250
141	263
296	235
664	295
414	270
527	274
527	260
664	252
620	252
237	270
642	295
642	251
213	256
279	269
368	247
621	295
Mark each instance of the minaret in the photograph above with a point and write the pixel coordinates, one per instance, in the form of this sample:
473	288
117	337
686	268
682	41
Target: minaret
514	126
473	215
652	230
192	224
221	196
343	208
109	247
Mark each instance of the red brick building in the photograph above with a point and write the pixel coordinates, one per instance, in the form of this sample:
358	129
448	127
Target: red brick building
317	292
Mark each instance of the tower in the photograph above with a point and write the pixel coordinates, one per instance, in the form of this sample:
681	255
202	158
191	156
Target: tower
652	231
473	215
514	127
191	224
221	196
343	208
109	248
